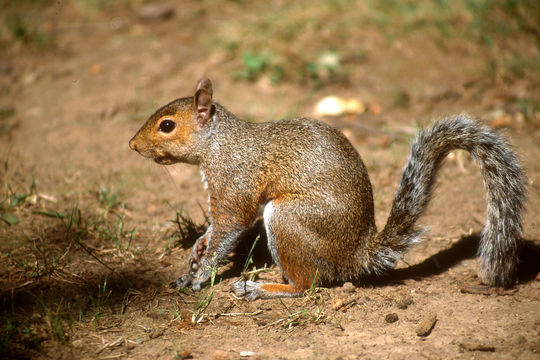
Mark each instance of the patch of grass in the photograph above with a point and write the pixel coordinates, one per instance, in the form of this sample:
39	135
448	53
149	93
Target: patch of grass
77	229
98	301
291	55
401	99
55	320
252	274
6	126
492	18
312	291
317	43
205	298
13	200
117	232
27	28
300	318
14	335
303	317
49	255
518	66
109	198
326	68
48	259
7	334
187	230
249	260
52	214
130	293
511	31
257	64
529	108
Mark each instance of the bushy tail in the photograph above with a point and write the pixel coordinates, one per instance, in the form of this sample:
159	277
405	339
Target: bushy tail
504	183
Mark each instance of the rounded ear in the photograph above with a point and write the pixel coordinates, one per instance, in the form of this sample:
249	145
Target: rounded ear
202	102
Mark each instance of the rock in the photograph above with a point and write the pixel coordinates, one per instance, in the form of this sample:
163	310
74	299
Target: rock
157	333
426	325
77	343
337	304
391	318
404	301
337	106
186	354
476	345
155	12
348	287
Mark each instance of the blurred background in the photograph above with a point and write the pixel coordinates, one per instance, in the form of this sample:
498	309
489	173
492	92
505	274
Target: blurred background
391	53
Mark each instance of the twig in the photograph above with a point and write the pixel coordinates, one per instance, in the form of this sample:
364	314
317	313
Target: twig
234	314
22	285
92	255
113	356
258	271
109	345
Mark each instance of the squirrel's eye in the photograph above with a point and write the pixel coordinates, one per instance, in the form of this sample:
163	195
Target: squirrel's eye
167	126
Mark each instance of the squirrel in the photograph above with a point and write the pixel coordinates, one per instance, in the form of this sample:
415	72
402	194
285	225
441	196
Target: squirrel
315	196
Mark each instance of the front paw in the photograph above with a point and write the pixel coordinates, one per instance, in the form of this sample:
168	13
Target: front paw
197	253
182	282
248	289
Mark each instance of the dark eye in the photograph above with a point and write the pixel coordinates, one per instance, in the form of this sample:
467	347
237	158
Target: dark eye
167	126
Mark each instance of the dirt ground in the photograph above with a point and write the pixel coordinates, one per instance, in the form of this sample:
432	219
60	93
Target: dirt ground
92	234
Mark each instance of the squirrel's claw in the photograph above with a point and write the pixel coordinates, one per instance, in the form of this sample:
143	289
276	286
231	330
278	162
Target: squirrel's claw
185	281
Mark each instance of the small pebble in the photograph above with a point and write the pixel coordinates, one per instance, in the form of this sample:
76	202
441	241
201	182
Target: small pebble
186	354
337	304
246	353
476	345
77	343
348	287
426	325
403	302
391	318
154	12
157	333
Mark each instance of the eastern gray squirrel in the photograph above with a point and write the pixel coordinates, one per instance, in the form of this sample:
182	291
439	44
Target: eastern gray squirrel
315	195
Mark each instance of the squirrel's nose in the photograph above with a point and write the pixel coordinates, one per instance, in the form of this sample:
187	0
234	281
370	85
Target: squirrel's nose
132	145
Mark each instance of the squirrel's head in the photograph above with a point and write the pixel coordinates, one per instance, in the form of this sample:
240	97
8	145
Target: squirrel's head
171	134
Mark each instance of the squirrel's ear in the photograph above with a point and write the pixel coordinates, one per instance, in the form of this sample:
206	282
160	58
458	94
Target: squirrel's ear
202	102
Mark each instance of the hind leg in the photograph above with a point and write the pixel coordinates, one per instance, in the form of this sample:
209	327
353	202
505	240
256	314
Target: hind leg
290	250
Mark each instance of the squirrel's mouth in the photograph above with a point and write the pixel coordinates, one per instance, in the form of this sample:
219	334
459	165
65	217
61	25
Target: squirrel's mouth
165	160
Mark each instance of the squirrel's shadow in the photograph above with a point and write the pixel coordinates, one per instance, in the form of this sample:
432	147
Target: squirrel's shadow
464	248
